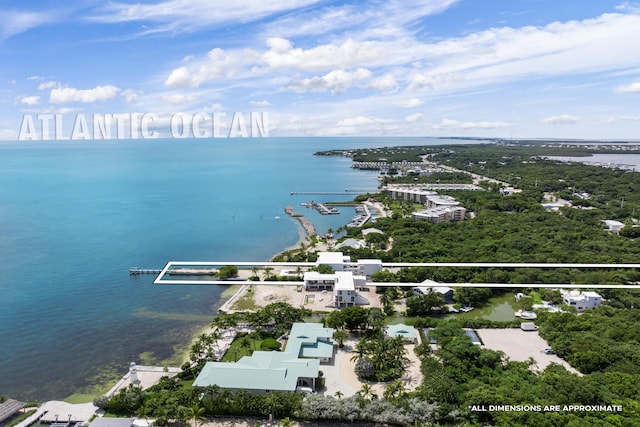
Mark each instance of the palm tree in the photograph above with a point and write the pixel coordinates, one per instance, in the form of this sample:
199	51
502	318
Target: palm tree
245	344
359	352
366	391
196	413
394	390
340	335
267	273
338	394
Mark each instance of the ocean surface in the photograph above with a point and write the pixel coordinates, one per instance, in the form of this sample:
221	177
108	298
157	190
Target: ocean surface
75	216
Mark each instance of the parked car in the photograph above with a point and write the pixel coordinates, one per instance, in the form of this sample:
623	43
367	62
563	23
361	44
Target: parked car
548	351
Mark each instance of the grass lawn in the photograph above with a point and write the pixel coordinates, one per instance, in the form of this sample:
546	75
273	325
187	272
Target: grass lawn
237	350
245	302
537	299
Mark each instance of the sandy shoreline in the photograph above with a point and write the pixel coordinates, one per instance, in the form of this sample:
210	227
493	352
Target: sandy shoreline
264	295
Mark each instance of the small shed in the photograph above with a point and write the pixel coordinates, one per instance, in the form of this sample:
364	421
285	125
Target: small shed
528	326
613	226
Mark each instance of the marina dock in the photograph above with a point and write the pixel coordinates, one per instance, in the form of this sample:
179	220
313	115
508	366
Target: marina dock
321	208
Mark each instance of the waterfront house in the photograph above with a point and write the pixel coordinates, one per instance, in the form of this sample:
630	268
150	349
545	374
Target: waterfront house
339	262
294	369
429	286
344	285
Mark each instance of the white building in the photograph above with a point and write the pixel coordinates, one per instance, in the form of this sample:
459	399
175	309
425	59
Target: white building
410	194
441	214
333	259
438	200
344	285
344	292
581	300
314	281
613	226
339	262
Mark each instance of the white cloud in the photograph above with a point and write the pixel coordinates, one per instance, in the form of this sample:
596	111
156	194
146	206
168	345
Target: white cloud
414	118
264	103
625	118
455	124
35	78
29	100
50	110
385	82
410	103
362	120
8	135
189	15
217	65
180	99
563	119
630	88
426	80
180	77
347	54
336	81
16	22
130	96
372	22
67	95
480	59
48	85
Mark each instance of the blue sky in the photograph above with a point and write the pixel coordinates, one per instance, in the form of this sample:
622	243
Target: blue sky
499	68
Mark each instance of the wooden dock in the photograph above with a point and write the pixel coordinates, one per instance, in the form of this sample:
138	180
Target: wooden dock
332	193
134	271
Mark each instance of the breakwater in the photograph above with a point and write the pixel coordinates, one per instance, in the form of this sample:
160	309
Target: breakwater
306	224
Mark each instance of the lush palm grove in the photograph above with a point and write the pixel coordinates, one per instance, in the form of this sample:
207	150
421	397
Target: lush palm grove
603	344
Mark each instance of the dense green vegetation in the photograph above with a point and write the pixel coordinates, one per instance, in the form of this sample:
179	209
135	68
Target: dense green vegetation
461	375
603	343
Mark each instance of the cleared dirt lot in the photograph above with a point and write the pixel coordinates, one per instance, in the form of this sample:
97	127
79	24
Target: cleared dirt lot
519	345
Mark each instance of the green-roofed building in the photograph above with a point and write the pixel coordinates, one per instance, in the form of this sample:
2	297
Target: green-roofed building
294	369
401	330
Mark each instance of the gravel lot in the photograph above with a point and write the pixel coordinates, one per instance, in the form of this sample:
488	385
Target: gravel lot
519	345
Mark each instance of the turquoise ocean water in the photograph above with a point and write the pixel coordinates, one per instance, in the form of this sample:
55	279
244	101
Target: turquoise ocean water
74	217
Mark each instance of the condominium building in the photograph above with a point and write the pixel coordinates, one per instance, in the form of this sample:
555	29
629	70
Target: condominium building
441	214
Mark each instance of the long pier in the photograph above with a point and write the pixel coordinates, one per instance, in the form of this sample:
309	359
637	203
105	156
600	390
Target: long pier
334	193
134	271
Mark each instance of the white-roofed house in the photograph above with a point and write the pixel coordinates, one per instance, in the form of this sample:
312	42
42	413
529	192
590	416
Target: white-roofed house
335	260
581	300
435	287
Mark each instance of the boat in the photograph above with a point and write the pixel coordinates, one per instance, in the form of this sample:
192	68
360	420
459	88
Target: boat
526	315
